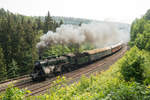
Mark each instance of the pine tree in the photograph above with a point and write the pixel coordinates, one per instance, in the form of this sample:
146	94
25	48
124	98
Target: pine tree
3	73
39	23
13	69
48	24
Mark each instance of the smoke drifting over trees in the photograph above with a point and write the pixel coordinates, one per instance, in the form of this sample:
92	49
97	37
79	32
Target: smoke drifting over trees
97	34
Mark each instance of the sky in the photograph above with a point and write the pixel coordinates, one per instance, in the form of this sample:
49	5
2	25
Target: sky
104	10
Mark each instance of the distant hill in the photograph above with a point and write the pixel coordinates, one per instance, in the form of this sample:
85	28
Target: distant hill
77	21
70	20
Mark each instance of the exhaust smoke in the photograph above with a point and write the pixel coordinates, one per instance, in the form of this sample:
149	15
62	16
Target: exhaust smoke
97	34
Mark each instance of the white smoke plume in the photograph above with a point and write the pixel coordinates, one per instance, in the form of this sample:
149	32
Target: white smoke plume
97	34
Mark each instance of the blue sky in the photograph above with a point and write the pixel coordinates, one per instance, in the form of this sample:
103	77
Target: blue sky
106	10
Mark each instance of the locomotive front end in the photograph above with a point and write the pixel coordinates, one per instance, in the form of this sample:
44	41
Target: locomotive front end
38	73
49	67
42	69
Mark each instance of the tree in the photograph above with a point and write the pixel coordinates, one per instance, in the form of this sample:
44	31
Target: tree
13	69
142	40
3	73
39	23
48	23
132	66
147	15
136	28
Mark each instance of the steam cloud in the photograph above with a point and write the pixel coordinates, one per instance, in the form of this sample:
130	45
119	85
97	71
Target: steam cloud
97	34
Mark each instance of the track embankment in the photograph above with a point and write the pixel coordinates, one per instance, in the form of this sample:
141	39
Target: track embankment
41	87
75	75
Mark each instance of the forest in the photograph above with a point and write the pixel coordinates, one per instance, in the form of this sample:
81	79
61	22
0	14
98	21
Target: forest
18	38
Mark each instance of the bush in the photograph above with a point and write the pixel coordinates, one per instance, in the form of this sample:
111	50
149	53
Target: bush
143	41
132	66
129	91
14	93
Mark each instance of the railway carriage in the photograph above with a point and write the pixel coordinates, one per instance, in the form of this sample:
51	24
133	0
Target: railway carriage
98	53
116	47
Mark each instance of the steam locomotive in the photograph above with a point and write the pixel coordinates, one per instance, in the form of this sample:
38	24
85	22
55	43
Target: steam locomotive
52	66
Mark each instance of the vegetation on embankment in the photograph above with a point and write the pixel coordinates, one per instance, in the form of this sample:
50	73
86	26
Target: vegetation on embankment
128	79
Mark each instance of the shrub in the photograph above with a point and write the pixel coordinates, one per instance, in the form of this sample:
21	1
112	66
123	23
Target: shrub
129	91
14	93
132	65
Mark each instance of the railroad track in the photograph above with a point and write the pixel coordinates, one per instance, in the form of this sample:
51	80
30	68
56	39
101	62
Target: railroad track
16	81
76	75
13	79
41	87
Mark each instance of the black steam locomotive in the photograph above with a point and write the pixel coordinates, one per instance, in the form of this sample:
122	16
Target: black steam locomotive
52	66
